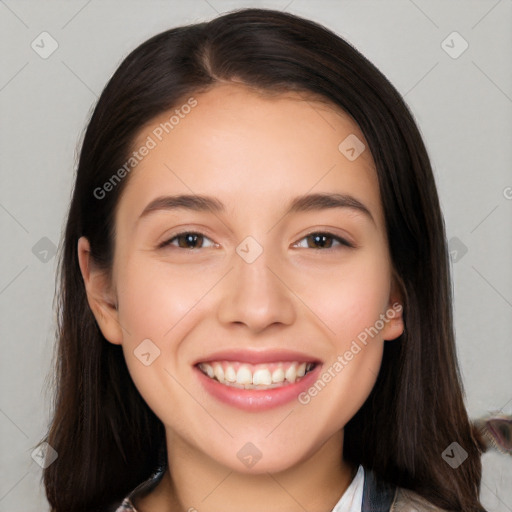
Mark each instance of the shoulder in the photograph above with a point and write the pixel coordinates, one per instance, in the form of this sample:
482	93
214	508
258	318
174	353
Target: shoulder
380	495
406	500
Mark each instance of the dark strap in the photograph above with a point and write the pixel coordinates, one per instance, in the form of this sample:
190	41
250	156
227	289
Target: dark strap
377	494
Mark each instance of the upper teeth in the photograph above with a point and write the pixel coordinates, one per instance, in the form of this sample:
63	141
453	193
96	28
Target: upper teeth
247	376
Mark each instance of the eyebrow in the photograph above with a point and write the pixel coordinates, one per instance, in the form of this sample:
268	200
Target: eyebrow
306	203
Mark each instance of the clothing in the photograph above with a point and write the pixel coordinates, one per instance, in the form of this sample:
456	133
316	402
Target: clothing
366	493
352	498
350	501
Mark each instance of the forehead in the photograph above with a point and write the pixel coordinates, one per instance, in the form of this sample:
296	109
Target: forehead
250	150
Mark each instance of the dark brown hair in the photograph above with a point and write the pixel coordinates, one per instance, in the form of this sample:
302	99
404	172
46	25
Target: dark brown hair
107	438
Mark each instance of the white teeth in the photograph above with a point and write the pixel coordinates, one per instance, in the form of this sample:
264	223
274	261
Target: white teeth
291	373
230	374
218	371
244	375
208	369
262	378
278	375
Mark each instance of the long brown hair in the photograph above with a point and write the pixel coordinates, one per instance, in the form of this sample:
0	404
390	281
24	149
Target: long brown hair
107	438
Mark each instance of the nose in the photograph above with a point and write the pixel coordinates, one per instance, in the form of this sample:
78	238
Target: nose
256	294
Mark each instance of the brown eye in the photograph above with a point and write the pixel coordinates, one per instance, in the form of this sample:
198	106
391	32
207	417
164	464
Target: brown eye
186	240
324	240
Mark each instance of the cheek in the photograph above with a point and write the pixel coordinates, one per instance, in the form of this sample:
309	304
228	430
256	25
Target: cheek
161	303
158	302
349	298
155	296
350	303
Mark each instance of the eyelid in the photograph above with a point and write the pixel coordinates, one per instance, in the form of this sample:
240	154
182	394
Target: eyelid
342	240
167	241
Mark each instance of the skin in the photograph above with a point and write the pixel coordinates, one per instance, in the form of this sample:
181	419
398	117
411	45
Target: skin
254	153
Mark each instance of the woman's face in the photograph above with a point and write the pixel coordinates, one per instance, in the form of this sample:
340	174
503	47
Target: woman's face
259	279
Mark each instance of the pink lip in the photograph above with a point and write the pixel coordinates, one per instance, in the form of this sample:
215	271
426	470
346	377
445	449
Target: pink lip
259	399
257	357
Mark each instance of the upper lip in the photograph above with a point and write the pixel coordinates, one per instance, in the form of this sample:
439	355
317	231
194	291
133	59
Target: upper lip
258	356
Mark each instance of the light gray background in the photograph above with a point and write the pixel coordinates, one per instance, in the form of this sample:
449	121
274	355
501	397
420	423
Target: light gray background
463	107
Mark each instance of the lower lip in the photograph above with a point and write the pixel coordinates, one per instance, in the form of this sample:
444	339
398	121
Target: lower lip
257	399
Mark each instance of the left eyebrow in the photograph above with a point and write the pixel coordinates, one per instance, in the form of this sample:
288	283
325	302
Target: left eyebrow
315	202
309	202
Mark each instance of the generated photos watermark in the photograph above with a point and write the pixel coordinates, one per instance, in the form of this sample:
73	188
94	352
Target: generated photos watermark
151	142
343	359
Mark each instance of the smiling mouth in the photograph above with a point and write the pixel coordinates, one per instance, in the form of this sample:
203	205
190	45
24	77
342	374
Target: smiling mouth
256	376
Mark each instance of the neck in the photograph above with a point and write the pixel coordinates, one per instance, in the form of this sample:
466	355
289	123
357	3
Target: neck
194	481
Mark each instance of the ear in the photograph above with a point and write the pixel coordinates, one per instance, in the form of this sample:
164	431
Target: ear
99	295
394	319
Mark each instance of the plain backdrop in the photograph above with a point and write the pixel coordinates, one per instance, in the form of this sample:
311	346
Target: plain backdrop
462	101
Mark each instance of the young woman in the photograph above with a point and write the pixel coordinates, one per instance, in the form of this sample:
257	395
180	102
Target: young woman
255	309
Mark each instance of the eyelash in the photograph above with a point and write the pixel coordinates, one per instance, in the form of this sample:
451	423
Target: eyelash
341	240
